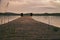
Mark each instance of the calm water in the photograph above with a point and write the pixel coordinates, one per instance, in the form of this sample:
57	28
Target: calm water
6	19
52	20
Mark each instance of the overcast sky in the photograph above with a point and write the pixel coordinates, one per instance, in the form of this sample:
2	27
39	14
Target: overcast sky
30	6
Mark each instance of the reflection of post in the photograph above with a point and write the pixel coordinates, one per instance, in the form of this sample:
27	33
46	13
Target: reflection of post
3	19
48	19
0	20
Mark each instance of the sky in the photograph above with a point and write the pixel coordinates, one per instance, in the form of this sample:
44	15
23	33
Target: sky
27	6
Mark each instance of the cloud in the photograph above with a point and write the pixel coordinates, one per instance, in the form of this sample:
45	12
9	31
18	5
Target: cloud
32	6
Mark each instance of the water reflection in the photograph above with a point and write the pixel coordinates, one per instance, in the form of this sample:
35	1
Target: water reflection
51	20
6	19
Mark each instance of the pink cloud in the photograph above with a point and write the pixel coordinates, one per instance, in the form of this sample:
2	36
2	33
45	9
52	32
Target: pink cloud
31	6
